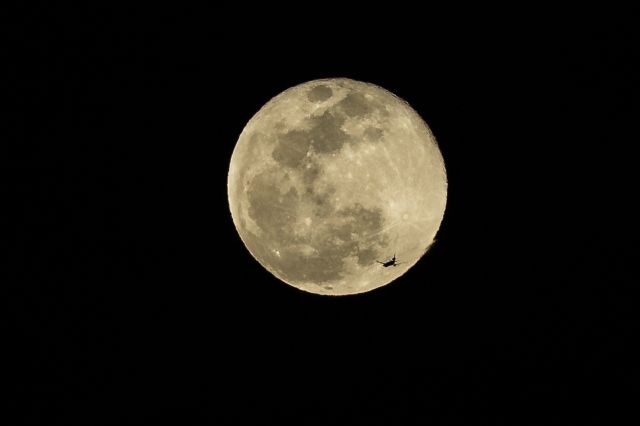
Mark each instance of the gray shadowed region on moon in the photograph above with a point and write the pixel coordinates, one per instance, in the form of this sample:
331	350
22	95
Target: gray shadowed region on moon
332	176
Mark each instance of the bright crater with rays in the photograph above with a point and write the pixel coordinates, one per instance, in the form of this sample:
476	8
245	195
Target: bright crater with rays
331	176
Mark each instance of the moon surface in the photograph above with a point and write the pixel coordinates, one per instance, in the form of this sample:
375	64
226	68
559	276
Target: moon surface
331	177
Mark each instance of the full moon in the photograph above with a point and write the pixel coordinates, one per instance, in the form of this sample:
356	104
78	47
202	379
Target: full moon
333	178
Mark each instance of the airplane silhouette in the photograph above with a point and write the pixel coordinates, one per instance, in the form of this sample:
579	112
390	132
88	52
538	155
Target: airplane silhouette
390	262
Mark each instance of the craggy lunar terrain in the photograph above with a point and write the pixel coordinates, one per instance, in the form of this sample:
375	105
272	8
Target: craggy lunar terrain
331	176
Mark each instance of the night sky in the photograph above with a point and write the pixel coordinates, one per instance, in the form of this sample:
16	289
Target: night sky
132	300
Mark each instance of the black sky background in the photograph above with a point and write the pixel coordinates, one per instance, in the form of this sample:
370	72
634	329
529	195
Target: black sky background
132	300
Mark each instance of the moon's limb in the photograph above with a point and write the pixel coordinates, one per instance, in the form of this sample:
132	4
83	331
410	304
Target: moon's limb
332	175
